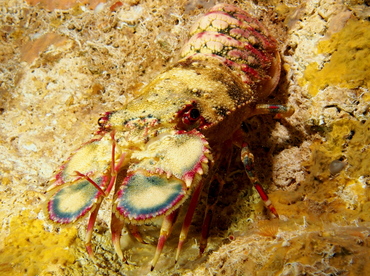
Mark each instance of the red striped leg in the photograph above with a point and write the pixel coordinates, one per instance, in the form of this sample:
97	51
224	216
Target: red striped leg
280	111
90	228
116	229
166	229
248	161
188	218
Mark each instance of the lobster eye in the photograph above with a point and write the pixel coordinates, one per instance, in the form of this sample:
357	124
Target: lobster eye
194	114
191	116
102	121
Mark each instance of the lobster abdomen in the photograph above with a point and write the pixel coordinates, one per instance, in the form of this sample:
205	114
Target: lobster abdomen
229	64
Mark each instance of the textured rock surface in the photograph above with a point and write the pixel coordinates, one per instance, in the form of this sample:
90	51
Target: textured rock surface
59	69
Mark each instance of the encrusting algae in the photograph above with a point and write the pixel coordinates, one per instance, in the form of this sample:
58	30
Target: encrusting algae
349	61
342	197
30	249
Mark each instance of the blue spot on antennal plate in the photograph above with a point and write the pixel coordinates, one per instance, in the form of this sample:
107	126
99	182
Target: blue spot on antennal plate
143	197
72	202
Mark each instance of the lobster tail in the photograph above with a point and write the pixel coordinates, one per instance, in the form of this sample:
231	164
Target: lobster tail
240	42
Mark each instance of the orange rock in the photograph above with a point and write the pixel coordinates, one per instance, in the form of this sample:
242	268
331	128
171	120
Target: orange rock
31	50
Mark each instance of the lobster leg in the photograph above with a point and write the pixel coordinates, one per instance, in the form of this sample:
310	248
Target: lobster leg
116	229
188	218
280	111
166	229
135	232
93	215
214	191
248	161
90	228
247	157
116	224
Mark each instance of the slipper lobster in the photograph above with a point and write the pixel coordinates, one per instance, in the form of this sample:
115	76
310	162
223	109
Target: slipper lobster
168	143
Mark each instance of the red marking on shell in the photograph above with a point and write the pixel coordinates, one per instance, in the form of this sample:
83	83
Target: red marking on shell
240	41
259	54
249	70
